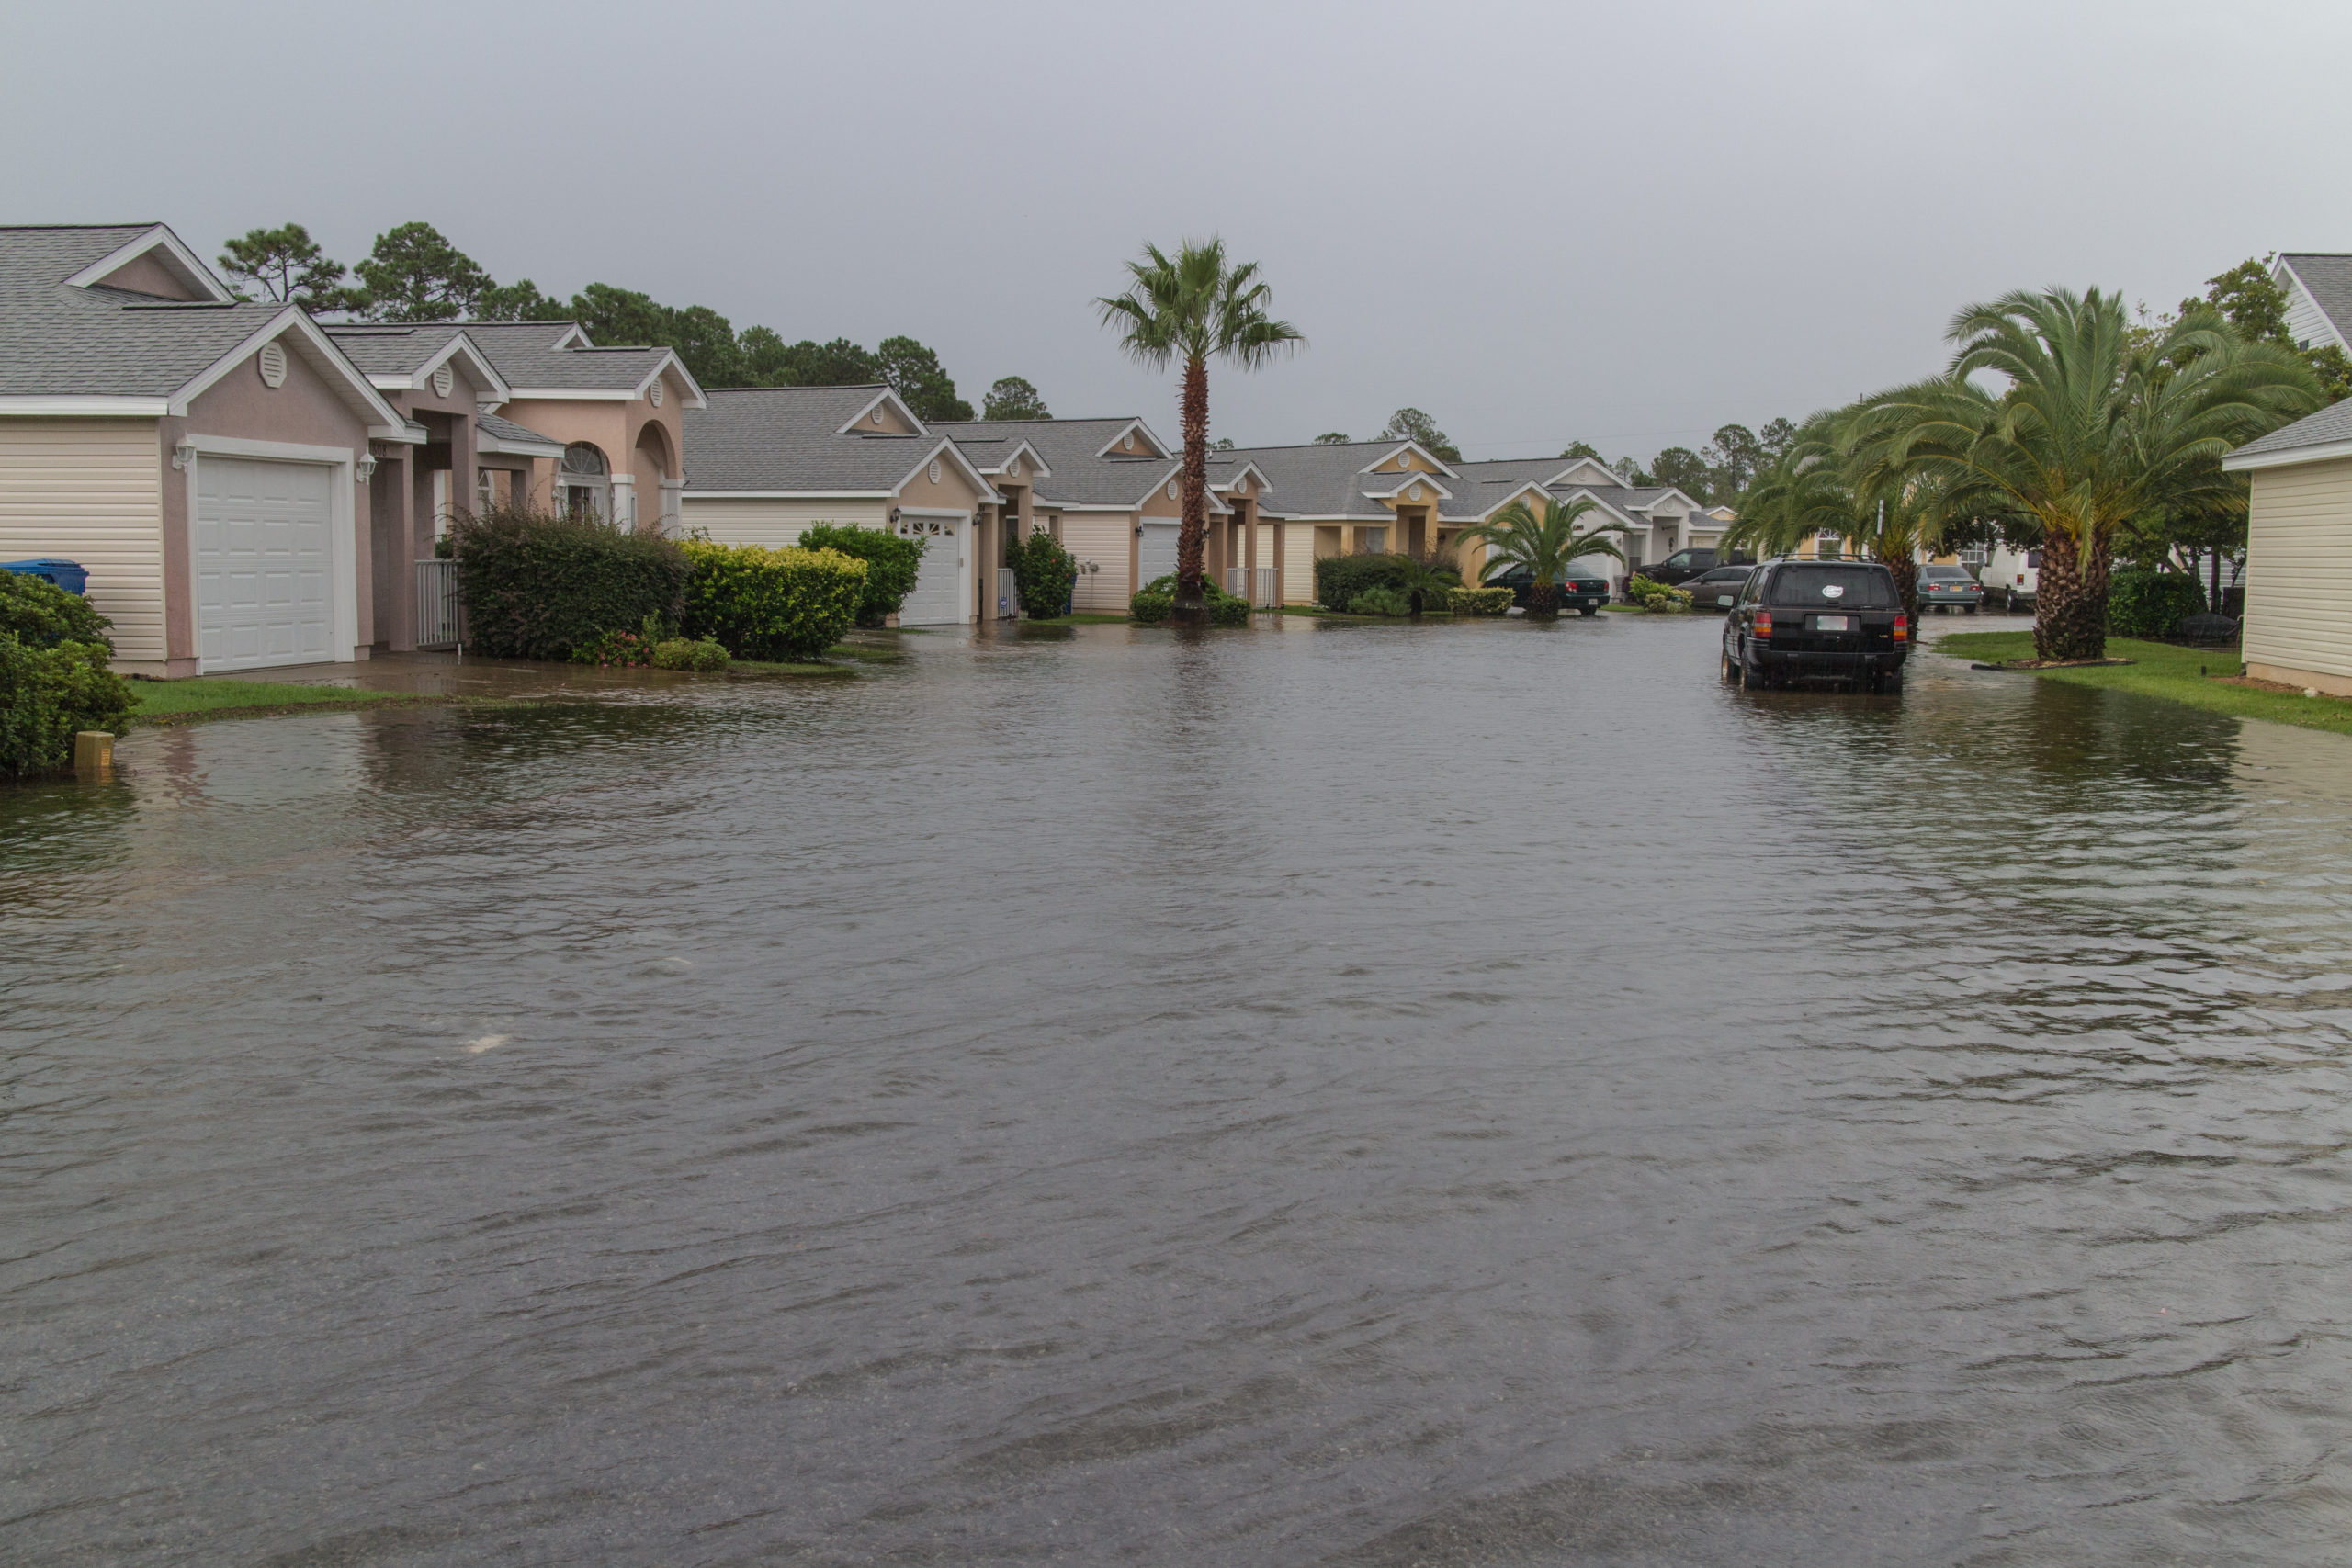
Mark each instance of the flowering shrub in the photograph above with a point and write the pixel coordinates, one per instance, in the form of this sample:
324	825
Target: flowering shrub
614	650
763	604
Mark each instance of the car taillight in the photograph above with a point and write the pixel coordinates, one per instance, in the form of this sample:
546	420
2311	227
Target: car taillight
1763	623
1902	626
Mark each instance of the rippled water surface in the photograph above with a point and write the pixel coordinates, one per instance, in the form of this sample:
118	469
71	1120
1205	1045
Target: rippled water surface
1367	1095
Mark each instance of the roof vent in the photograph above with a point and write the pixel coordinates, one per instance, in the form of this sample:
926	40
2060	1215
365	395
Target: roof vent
653	393
878	413
271	362
1416	492
443	380
1130	442
935	470
1171	490
1012	469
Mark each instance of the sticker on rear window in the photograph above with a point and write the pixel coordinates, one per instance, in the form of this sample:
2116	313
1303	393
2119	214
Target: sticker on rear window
1832	590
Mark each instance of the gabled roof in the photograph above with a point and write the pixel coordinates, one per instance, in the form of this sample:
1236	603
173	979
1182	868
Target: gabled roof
1129	440
67	348
1082	455
1332	479
492	434
794	441
157	241
553	359
2327	276
2316	438
402	358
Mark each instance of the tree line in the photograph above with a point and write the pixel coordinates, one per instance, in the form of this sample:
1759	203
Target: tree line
413	273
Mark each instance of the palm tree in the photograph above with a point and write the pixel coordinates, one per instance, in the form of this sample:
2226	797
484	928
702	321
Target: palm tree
2096	423
1816	487
1195	306
1546	546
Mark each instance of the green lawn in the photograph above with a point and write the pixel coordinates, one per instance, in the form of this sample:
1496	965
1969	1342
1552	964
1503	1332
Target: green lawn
1081	618
173	702
2179	674
774	667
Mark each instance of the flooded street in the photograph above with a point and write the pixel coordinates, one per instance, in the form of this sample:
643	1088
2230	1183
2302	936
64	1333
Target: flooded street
1467	1094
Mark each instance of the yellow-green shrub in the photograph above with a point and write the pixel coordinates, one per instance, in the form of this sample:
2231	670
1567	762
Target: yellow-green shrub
1479	601
763	604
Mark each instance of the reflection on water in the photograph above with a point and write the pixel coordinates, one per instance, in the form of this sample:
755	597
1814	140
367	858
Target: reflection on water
1363	1095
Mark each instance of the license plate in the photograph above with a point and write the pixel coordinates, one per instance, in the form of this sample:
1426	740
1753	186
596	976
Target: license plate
1833	622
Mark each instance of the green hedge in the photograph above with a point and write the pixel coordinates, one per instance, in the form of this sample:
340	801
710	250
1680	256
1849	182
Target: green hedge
1157	602
683	653
2144	603
762	604
537	586
1340	579
1479	601
53	675
891	564
1045	574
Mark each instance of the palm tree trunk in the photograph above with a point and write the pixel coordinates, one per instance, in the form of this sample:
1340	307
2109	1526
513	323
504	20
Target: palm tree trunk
2070	605
1906	583
1543	600
1192	537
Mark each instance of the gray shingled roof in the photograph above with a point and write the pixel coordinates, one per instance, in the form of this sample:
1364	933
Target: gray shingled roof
2328	427
524	353
507	429
2328	274
391	350
789	438
1318	480
1068	447
60	341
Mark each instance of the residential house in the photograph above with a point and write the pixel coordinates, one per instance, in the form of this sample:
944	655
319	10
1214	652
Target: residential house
770	462
617	412
208	460
1110	491
2298	552
2318	286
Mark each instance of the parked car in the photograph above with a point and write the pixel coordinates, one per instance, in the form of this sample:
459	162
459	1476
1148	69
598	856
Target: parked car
1719	589
1804	620
1677	569
1949	588
2013	577
1582	591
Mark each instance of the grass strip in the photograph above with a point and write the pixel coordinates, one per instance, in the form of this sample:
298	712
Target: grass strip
1081	618
2203	678
208	696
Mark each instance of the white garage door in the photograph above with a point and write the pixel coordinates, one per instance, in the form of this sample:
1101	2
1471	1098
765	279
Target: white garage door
1156	553
263	563
938	599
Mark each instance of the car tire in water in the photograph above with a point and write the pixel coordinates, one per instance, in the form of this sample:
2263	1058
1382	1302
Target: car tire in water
1590	610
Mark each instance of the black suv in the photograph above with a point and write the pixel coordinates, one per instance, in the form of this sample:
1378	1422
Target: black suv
1583	592
1801	620
1683	565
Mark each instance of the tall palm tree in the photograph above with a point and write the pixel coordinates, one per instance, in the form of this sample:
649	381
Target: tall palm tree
1546	546
2094	423
1195	306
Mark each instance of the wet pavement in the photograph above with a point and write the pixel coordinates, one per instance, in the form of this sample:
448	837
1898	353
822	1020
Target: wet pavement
1364	1095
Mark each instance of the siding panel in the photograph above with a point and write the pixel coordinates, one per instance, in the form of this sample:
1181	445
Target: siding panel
92	490
1299	564
1099	537
2298	569
774	524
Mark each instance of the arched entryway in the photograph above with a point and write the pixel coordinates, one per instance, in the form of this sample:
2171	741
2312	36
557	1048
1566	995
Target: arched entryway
585	482
656	470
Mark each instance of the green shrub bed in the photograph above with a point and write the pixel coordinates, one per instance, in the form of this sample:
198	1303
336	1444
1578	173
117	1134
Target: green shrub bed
1478	601
1157	602
689	653
2144	603
1340	581
1656	597
537	586
53	675
773	605
891	564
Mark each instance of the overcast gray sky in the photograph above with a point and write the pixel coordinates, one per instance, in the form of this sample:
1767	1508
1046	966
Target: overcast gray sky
1627	224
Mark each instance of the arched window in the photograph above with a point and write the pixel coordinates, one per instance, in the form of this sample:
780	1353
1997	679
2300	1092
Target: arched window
585	485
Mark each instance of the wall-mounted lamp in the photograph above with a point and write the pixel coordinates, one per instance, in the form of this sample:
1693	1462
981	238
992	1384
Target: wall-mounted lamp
182	454
893	514
368	467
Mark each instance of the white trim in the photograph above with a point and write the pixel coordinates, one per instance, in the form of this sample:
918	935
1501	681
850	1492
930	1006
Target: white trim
195	271
1037	469
572	394
888	395
989	495
1246	469
574	336
2317	309
34	406
1563	477
507	447
488	382
694	398
2287	456
964	515
1405	480
291	319
342	527
1109	449
1410	447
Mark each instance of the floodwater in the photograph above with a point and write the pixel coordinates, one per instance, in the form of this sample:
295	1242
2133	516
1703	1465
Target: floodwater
1467	1094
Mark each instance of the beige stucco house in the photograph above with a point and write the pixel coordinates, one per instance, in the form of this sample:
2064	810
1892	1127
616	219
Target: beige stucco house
770	462
616	414
2298	625
210	461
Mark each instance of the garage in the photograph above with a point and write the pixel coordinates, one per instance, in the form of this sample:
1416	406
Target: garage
265	563
1155	552
938	599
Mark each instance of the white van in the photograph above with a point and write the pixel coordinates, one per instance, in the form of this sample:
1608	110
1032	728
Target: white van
2011	577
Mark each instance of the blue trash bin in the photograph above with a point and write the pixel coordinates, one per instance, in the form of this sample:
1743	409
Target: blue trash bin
66	574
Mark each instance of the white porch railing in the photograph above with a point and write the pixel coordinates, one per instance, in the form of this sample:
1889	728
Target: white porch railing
1236	582
440	620
1265	598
